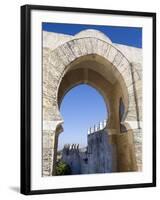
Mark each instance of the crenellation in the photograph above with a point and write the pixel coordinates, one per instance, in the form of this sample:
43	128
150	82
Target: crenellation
97	127
84	160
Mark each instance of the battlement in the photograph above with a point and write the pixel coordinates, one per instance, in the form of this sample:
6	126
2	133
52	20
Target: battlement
97	127
71	147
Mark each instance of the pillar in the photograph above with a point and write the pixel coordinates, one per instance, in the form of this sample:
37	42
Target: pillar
51	131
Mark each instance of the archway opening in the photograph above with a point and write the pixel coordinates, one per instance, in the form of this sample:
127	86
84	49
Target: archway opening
84	144
104	144
82	107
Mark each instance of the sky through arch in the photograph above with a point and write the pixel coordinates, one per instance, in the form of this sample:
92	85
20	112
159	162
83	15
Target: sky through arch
82	107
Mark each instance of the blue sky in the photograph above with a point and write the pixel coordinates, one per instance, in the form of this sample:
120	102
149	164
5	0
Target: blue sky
83	106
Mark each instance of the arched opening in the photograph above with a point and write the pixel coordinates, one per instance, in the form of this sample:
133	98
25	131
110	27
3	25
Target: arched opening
98	72
121	110
82	107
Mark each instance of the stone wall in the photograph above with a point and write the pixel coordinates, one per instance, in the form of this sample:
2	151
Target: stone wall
97	157
100	153
71	155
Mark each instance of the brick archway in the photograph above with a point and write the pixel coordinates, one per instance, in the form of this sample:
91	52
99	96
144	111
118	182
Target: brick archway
111	66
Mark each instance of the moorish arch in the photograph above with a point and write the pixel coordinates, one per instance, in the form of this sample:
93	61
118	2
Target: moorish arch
90	58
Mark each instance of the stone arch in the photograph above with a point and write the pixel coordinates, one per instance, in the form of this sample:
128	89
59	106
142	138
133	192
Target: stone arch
62	60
